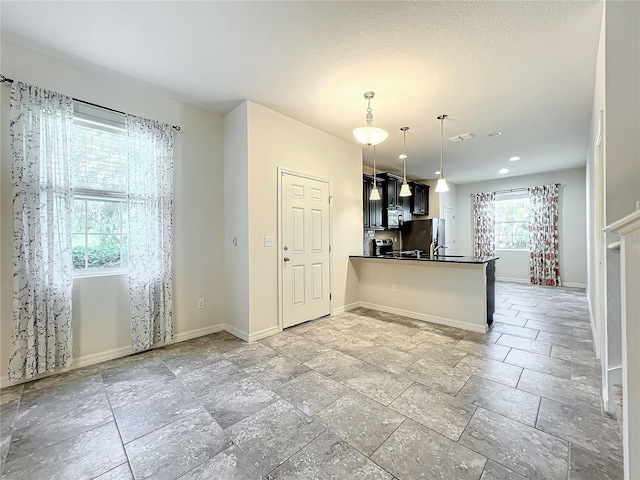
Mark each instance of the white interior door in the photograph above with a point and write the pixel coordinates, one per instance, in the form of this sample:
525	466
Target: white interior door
305	255
449	215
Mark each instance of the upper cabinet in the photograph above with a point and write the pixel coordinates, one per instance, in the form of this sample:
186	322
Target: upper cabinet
392	198
419	201
383	214
372	209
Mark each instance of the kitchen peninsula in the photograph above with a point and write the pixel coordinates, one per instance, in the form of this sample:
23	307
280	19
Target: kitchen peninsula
456	291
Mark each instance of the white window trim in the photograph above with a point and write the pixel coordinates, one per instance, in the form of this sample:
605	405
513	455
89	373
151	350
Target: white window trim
99	272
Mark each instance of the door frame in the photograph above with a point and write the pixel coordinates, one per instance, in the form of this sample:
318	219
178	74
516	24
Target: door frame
453	227
281	173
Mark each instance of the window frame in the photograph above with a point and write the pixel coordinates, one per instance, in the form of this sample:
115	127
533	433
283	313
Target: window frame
501	197
109	122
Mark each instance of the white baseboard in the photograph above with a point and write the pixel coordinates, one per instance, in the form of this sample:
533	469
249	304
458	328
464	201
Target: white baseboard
198	332
346	308
513	280
267	332
94	358
426	318
236	332
526	280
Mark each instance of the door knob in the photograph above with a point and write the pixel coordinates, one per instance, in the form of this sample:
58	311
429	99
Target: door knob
286	259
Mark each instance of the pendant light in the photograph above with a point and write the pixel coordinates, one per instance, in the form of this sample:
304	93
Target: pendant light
442	186
375	193
405	191
370	135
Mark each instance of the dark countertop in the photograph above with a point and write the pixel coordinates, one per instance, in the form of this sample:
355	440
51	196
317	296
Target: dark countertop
439	258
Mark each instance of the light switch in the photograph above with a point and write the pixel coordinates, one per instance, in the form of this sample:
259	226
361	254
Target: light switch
268	241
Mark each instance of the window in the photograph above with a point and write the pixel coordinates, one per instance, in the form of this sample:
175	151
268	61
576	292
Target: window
99	153
512	223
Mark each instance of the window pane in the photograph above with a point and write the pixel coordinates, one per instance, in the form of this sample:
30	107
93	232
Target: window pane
79	216
512	209
103	251
521	229
99	157
103	216
104	245
512	224
78	252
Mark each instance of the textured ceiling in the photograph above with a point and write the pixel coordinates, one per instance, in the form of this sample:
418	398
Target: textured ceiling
524	68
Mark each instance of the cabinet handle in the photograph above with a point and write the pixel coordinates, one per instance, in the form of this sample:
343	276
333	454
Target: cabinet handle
286	259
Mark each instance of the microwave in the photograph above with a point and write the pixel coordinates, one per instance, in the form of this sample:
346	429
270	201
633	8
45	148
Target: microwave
394	218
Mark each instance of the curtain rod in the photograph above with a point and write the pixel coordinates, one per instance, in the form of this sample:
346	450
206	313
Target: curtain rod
4	79
522	189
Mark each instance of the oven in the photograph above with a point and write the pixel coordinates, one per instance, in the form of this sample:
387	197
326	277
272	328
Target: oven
382	246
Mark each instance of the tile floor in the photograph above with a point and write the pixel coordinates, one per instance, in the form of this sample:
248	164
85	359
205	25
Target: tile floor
361	395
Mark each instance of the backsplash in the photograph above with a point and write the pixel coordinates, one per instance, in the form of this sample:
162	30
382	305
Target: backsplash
369	235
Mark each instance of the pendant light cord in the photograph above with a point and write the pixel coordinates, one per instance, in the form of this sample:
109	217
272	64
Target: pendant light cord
404	160
442	147
441	118
375	185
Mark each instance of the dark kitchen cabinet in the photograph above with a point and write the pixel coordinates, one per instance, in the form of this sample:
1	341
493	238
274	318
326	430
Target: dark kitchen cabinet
392	198
372	209
491	290
419	201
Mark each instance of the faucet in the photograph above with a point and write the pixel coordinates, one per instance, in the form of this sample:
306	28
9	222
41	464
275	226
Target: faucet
436	248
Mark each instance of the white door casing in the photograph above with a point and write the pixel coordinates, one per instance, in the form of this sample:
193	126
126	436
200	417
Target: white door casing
449	215
304	248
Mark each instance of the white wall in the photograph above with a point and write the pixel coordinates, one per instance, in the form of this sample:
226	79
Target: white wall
621	193
278	141
596	204
236	219
100	305
614	188
572	211
622	151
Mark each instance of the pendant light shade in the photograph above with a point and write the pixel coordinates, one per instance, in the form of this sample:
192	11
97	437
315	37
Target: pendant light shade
375	193
370	135
442	186
405	191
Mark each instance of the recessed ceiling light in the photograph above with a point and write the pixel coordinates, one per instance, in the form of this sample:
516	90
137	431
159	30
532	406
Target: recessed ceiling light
504	170
494	134
437	172
514	159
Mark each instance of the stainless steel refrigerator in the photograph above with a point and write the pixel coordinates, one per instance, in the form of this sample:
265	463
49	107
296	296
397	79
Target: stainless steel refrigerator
420	234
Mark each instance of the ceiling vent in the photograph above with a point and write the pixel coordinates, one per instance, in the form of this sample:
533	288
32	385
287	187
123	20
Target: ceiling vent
462	136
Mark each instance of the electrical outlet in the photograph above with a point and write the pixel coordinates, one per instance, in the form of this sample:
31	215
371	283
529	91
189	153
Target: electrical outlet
394	288
268	241
200	303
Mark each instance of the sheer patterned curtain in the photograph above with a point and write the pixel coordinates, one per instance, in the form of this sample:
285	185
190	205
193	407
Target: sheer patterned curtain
543	235
150	216
484	224
40	124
